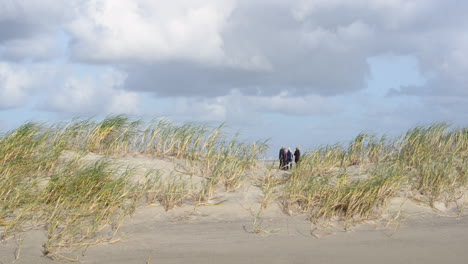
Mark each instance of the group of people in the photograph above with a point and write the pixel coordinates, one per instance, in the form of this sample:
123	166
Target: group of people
286	158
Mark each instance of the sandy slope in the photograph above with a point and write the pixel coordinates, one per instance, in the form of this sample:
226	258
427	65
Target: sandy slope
223	234
430	241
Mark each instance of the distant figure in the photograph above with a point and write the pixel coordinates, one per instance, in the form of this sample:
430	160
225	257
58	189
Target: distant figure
282	157
297	155
289	156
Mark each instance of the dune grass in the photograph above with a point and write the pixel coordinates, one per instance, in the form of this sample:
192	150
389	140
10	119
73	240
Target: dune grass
428	163
79	201
46	182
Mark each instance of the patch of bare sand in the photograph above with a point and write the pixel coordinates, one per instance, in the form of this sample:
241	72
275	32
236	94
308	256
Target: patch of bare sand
221	234
435	240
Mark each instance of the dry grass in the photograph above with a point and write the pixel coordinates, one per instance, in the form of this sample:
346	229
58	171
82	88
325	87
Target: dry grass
428	163
81	203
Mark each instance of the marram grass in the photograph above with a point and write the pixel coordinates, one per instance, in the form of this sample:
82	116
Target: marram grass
81	203
428	163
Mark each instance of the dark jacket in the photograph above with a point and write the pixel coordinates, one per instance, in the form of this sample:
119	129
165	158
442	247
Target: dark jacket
289	156
297	155
281	154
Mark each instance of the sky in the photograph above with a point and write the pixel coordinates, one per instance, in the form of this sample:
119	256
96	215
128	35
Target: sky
299	72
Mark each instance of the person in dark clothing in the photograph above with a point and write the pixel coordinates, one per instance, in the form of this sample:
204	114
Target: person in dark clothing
289	156
282	157
297	155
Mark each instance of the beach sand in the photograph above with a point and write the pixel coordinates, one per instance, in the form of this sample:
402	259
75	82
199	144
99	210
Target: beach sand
222	232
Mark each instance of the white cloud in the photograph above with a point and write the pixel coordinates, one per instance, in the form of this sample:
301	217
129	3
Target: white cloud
236	108
65	88
290	58
26	19
31	10
124	102
38	48
455	64
15	83
19	82
102	94
283	103
199	109
147	30
391	14
307	47
343	39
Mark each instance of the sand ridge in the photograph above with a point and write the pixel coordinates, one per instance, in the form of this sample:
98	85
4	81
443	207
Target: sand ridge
222	231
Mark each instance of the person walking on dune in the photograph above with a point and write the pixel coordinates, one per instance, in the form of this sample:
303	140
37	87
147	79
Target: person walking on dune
297	155
289	156
282	157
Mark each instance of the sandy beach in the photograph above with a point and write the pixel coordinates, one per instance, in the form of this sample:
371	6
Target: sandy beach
188	236
424	240
222	231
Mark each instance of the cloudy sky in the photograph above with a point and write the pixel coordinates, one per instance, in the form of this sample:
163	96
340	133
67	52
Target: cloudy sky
301	72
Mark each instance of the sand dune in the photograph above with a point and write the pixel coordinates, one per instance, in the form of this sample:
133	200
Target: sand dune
222	231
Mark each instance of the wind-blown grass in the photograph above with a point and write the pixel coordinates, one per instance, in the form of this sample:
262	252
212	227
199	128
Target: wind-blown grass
429	163
45	182
436	160
79	201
